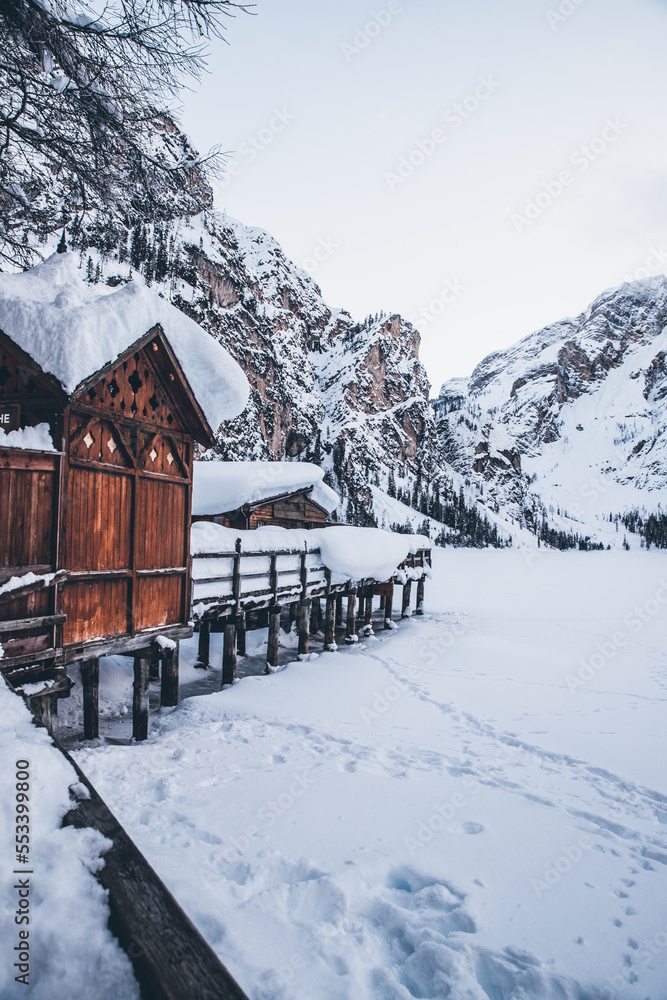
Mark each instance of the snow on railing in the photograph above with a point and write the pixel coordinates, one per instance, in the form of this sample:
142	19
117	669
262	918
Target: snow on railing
254	579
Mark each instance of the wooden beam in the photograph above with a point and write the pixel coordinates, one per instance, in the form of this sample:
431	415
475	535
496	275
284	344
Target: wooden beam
204	648
26	624
330	625
127	645
170	957
304	627
274	636
407	589
351	631
229	652
33	588
169	686
90	682
140	698
339	611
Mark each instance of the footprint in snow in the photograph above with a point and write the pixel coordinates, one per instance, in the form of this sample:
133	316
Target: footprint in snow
473	828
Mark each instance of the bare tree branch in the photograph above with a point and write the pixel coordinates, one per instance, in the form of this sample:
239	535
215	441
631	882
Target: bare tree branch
84	101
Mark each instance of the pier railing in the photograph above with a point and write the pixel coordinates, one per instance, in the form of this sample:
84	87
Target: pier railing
251	580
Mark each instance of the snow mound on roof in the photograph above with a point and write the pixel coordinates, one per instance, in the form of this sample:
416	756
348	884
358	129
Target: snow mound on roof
72	329
28	438
224	486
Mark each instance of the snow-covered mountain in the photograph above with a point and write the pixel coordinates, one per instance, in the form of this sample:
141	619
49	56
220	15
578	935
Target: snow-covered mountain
567	427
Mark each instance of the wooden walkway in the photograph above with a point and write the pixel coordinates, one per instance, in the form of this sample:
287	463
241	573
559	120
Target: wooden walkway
228	585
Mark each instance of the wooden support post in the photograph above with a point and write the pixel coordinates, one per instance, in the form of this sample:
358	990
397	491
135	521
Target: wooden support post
351	631
330	626
315	615
388	608
382	600
368	613
204	651
420	596
229	652
45	710
240	633
304	627
292	611
90	682
274	637
140	698
169	689
154	668
405	606
339	611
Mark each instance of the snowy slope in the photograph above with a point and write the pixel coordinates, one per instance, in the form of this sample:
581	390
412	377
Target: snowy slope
73	955
472	808
571	420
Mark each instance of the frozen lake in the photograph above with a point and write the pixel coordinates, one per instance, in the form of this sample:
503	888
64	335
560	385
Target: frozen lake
473	806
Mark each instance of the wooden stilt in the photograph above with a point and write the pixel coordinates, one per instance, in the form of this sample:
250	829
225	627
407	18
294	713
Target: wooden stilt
351	631
274	636
292	611
382	600
140	698
330	625
154	668
315	615
339	611
420	597
169	688
304	627
388	608
240	633
90	682
229	652
45	710
204	651
405	606
368	613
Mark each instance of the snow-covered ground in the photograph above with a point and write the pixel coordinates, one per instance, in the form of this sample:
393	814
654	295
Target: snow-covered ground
53	903
471	807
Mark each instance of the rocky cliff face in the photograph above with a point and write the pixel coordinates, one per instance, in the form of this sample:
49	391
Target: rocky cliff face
352	397
569	424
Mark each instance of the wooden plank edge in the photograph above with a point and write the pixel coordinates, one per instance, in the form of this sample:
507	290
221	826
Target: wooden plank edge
170	958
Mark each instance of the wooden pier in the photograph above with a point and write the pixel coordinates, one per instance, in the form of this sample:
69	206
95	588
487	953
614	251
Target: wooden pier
226	585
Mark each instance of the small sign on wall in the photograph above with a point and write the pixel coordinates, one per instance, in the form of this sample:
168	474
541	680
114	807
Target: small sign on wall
10	416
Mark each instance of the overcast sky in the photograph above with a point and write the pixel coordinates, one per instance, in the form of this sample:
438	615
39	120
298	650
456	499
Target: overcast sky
483	168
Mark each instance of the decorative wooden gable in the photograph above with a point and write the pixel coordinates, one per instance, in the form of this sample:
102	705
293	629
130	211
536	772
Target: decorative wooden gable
146	384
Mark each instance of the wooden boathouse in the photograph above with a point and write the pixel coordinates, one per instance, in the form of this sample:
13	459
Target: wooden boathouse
248	495
96	486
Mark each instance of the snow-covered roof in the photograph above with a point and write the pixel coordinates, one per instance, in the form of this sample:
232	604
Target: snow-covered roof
224	486
72	329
